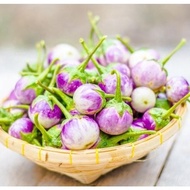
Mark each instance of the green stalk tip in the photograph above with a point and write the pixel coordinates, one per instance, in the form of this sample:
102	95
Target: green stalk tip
179	46
81	40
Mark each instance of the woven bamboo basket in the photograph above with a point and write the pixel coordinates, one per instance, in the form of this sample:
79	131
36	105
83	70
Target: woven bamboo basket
88	165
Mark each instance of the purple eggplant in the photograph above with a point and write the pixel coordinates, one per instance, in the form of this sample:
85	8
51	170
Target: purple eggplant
49	113
117	116
122	68
113	51
151	73
79	132
148	73
11	105
176	88
109	82
157	118
63	52
23	125
141	55
88	100
69	63
12	95
26	89
143	98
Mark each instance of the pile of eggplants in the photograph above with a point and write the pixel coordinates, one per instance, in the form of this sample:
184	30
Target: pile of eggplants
103	95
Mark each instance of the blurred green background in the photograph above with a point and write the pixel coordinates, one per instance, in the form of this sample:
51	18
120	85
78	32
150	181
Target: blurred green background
153	25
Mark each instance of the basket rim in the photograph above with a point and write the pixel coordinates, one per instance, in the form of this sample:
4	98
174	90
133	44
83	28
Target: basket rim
181	109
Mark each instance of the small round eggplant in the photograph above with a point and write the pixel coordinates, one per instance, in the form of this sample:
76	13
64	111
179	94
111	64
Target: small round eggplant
88	100
122	68
141	55
149	73
23	92
63	52
143	98
26	89
24	125
109	82
49	113
176	88
80	133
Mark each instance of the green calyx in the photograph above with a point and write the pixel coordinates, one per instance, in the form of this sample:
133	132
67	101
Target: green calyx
162	103
111	141
117	101
157	115
121	107
7	118
33	138
43	98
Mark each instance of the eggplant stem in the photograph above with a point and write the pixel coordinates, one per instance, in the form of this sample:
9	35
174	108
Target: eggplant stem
125	43
41	50
41	128
94	26
118	86
83	65
43	75
96	64
166	59
45	87
5	120
26	107
60	105
66	99
172	109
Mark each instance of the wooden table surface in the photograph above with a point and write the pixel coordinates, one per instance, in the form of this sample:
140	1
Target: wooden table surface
169	165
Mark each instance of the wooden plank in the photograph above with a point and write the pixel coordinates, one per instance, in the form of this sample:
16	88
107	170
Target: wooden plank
56	179
16	170
176	171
